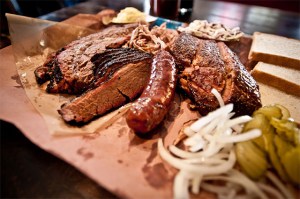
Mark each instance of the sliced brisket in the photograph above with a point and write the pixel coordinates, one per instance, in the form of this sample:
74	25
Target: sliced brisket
209	64
70	70
121	75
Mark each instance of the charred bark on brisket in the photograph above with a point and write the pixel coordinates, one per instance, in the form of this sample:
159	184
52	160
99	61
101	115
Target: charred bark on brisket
120	76
70	69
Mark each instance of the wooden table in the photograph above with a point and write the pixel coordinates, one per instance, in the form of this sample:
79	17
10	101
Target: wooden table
248	18
27	171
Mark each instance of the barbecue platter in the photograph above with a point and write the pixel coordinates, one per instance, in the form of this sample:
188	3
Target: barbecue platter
187	95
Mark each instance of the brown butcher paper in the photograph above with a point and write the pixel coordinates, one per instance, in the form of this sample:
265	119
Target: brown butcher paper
106	150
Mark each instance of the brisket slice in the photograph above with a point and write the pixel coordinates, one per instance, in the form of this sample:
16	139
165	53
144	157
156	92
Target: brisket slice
70	69
209	64
121	74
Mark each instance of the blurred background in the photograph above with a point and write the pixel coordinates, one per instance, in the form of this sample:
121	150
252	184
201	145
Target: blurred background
288	5
36	8
30	8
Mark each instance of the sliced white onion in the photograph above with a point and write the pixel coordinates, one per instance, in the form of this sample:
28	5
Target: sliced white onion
254	133
237	128
238	120
208	170
194	140
206	161
270	190
212	149
218	96
237	177
188	131
198	146
196	126
196	181
180	188
279	185
209	128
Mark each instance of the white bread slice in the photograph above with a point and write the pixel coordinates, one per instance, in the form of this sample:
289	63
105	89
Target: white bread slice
285	79
271	95
275	49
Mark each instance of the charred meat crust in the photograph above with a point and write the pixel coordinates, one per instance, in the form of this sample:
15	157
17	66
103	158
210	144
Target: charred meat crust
244	91
207	71
214	65
73	61
126	82
108	62
43	73
184	49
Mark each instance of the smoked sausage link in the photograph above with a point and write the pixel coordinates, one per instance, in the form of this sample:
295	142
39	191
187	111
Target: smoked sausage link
154	103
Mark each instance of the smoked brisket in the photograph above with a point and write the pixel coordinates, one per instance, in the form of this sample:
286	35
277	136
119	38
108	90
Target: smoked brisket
121	75
70	69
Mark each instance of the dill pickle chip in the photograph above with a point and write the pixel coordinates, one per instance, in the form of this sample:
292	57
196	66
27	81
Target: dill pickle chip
269	112
277	163
260	121
287	129
282	146
252	159
297	137
284	111
278	146
291	163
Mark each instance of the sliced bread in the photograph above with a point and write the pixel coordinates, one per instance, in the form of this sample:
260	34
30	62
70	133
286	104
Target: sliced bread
276	50
284	79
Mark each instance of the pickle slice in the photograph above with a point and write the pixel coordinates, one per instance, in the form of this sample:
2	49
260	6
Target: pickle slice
279	145
285	112
291	163
252	159
282	146
269	112
287	130
275	161
261	122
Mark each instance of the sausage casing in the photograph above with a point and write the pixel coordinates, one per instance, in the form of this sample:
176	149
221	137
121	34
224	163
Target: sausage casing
153	105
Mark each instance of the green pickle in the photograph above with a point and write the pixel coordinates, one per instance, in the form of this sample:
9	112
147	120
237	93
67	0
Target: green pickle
291	163
282	146
276	163
285	112
286	129
252	159
261	122
269	112
278	146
